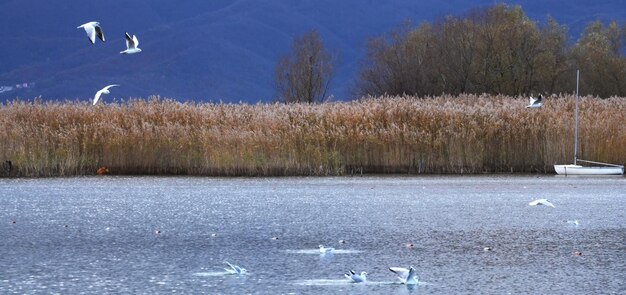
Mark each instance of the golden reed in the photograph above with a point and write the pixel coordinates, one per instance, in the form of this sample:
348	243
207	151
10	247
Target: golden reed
465	134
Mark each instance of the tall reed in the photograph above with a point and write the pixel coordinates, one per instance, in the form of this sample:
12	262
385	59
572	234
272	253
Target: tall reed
465	134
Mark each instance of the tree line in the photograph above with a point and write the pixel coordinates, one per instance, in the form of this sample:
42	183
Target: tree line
495	50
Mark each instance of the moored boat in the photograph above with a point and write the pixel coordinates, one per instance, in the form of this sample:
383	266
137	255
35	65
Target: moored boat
575	169
588	170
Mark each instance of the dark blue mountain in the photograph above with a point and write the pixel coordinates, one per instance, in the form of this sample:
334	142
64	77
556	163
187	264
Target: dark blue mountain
212	49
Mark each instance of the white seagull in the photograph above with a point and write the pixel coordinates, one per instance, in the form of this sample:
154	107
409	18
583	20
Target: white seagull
131	45
93	29
535	102
406	276
573	222
104	90
541	202
235	269
325	250
355	278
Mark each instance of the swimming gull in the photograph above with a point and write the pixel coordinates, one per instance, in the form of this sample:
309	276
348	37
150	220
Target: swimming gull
406	276
541	202
573	222
131	45
93	29
535	102
104	90
355	278
235	269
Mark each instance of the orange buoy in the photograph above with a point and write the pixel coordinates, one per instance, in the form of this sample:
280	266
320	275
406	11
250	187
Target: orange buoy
102	170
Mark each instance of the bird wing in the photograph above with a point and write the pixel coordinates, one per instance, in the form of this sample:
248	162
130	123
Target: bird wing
538	100
401	272
535	202
411	277
232	268
97	97
135	40
129	42
547	203
91	32
99	32
109	86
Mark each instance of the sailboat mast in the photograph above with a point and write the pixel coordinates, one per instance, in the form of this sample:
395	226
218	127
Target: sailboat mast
576	116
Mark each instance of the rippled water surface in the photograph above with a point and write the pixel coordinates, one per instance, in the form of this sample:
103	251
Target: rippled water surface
148	235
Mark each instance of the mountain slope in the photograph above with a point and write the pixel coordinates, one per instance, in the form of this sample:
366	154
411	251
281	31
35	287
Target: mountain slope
209	50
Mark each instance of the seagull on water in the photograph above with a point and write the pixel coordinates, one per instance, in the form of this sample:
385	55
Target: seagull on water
355	278
104	90
406	276
573	222
325	250
131	45
93	29
535	102
235	269
541	202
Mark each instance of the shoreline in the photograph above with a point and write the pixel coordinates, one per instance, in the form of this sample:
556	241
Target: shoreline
373	175
467	134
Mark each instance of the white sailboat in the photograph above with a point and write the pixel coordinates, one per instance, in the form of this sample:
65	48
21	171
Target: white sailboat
575	169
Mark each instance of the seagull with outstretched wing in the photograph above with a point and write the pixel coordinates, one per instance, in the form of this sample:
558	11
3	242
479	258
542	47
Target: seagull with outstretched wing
540	202
406	276
535	102
131	45
235	269
93	29
355	278
104	90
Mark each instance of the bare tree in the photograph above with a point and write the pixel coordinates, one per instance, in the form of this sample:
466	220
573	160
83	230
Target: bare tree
305	73
399	64
597	55
555	74
495	50
457	62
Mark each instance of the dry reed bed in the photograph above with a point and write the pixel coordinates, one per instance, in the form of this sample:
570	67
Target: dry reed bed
466	134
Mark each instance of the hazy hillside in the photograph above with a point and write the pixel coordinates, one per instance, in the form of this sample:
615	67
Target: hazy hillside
210	50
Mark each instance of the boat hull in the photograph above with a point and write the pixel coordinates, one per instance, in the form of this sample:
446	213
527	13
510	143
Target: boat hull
588	170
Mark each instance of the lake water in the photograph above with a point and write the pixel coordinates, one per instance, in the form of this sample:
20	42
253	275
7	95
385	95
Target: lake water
148	235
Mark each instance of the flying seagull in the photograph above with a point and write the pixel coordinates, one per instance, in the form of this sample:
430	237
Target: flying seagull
534	102
325	250
355	278
541	202
406	276
93	29
235	269
131	45
104	90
